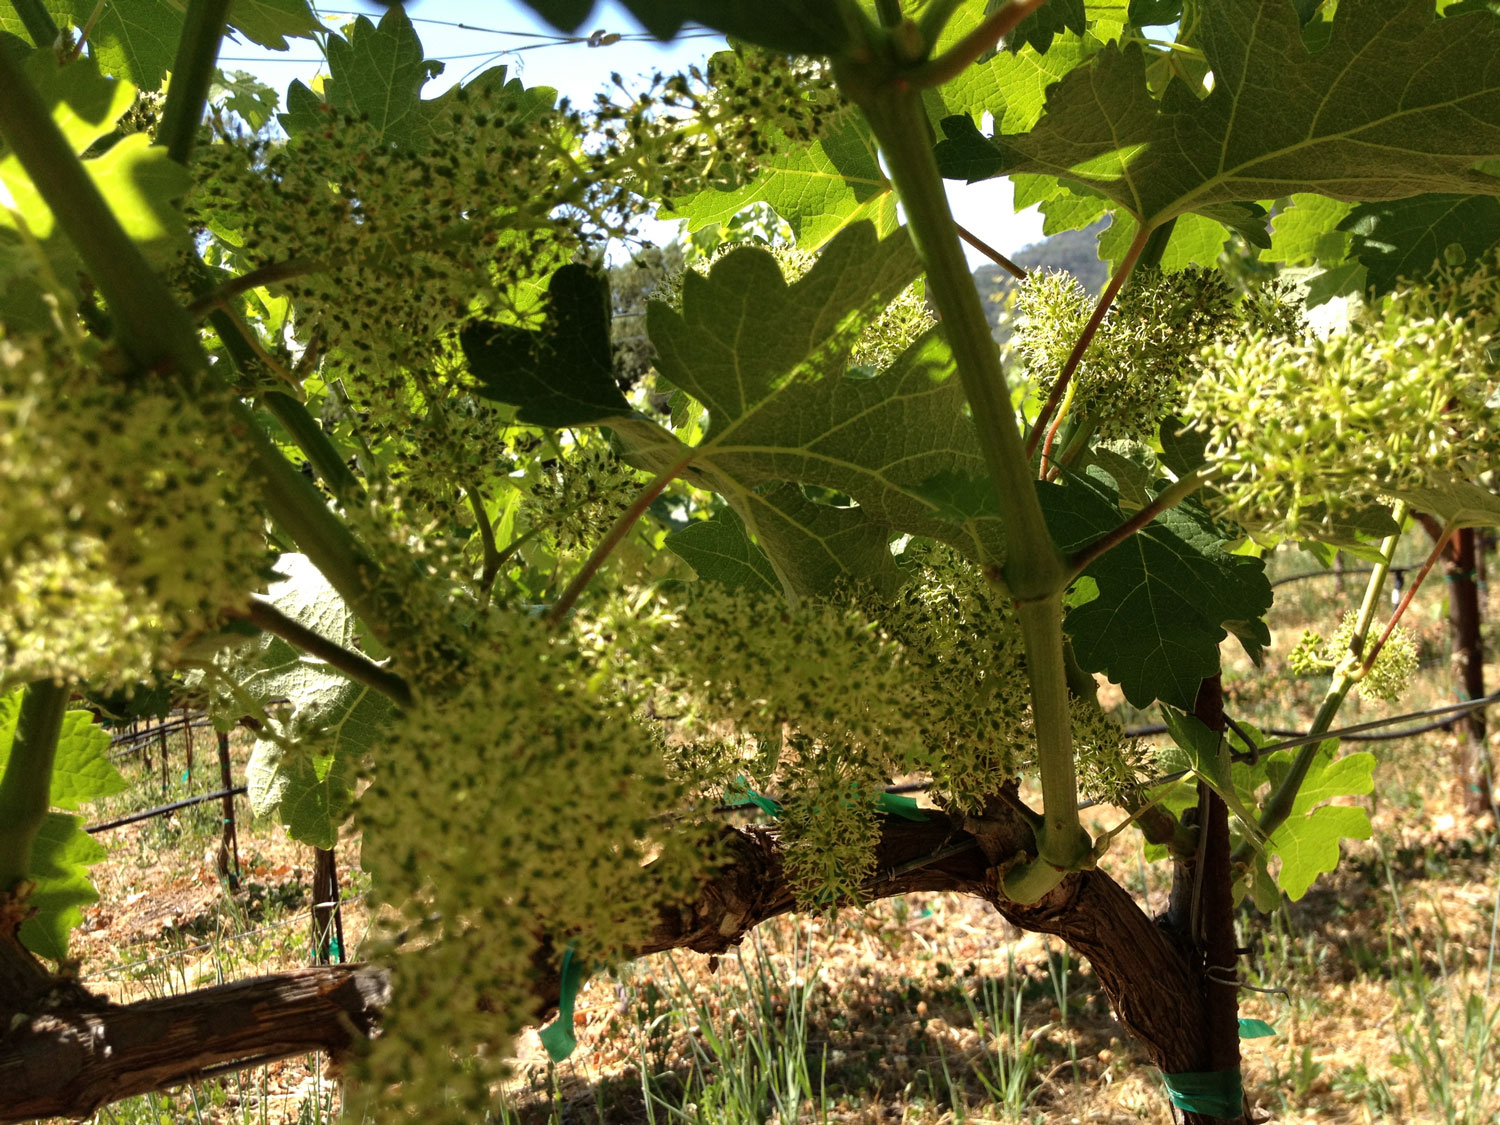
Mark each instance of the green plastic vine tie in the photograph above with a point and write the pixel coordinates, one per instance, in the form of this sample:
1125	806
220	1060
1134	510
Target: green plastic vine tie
1255	1029
768	805
1215	1093
897	805
557	1037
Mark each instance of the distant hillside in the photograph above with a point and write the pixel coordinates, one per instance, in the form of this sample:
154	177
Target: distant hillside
1076	251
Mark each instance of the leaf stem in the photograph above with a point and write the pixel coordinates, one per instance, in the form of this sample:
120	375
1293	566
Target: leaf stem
612	538
1411	590
192	74
1169	498
1033	572
158	336
1086	337
26	785
314	444
153	329
358	667
261	275
991	253
492	559
957	58
1033	568
38	21
1279	804
888	12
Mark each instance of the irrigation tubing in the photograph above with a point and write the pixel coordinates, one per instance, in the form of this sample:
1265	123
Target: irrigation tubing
1399	571
162	810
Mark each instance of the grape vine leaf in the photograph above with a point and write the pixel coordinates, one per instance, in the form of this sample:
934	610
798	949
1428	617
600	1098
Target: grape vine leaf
561	374
61	857
137	179
1167	595
81	770
1362	137
1309	845
377	74
1454	501
818	189
62	852
1406	238
1208	756
1306	230
1039	28
720	550
302	767
784	25
1011	84
782	410
780	407
270	22
1307	842
136	38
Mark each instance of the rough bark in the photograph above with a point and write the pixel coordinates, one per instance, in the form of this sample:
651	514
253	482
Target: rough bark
1473	776
1464	621
72	1058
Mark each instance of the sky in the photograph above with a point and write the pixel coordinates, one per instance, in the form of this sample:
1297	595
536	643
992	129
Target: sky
510	33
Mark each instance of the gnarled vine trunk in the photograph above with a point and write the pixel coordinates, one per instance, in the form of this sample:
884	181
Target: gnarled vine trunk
71	1054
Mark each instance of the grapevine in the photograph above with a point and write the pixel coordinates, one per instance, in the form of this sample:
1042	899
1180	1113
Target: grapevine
339	422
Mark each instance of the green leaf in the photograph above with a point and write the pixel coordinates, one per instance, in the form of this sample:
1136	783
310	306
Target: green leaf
308	792
1309	845
246	95
1306	231
817	546
784	25
1340	281
140	183
1155	13
60	860
137	179
1209	758
721	551
1038	29
780	407
1406	238
376	74
269	22
302	767
1454	501
1011	84
1308	841
1353	775
562	374
82	770
62	852
1063	207
1166	595
1363	136
136	38
818	189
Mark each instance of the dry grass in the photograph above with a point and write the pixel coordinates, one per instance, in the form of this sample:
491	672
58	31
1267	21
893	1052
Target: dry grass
928	1009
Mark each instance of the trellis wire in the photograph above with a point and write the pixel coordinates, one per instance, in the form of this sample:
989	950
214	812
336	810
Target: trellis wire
1354	733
